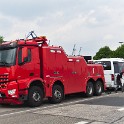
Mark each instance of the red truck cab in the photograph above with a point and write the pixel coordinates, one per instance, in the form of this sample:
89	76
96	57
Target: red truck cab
31	70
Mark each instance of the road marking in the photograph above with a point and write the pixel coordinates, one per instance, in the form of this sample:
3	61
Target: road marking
121	109
57	105
82	122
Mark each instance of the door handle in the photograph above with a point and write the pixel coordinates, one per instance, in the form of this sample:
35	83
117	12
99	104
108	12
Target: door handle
31	74
74	72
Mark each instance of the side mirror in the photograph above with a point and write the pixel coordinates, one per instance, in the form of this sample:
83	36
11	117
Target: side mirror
25	59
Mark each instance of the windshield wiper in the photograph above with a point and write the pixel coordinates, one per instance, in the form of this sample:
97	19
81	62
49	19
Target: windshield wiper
4	63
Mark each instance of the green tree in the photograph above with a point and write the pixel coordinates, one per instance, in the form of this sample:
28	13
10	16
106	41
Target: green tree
103	52
119	52
1	39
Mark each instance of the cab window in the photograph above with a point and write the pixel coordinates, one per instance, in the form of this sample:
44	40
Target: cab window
22	60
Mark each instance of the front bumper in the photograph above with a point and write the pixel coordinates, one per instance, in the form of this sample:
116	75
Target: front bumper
10	98
10	101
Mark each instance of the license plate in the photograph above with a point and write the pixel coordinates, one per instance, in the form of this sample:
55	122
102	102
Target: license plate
0	95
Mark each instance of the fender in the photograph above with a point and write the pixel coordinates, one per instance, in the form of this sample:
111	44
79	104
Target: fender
25	83
35	79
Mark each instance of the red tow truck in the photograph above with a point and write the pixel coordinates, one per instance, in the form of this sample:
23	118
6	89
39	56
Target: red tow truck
31	70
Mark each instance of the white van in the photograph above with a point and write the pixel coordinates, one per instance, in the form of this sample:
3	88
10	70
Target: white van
112	67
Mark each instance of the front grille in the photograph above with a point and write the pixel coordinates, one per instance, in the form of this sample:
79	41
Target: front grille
3	85
4	78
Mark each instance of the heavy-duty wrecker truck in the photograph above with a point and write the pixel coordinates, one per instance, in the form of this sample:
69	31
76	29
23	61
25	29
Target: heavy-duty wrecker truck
31	70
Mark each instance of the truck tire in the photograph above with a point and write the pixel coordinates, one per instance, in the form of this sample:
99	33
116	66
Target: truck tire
57	94
89	89
98	88
35	96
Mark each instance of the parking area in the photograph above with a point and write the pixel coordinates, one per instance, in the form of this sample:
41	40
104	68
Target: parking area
95	110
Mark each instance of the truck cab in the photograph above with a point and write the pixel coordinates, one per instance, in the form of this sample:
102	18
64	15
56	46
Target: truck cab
19	66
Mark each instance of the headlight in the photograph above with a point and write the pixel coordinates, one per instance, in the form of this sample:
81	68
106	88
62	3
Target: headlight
12	92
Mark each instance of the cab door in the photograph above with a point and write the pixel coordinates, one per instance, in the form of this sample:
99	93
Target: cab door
26	70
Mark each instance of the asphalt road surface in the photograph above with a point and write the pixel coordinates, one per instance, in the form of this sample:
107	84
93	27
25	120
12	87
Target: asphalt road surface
75	109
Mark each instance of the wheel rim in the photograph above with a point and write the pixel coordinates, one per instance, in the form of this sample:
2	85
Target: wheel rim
36	96
99	89
90	90
57	94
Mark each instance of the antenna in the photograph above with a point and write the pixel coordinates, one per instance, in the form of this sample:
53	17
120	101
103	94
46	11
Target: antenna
73	52
80	50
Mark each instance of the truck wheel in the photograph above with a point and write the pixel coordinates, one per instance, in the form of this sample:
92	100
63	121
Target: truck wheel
98	88
35	96
57	94
89	89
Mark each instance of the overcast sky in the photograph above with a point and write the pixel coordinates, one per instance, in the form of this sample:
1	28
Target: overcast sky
90	24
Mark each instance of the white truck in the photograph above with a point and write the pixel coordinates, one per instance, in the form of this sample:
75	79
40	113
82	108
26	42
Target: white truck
112	67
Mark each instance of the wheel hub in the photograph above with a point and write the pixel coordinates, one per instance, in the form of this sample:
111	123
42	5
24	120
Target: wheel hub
57	94
36	96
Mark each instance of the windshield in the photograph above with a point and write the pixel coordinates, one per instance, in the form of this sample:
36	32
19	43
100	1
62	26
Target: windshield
7	57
